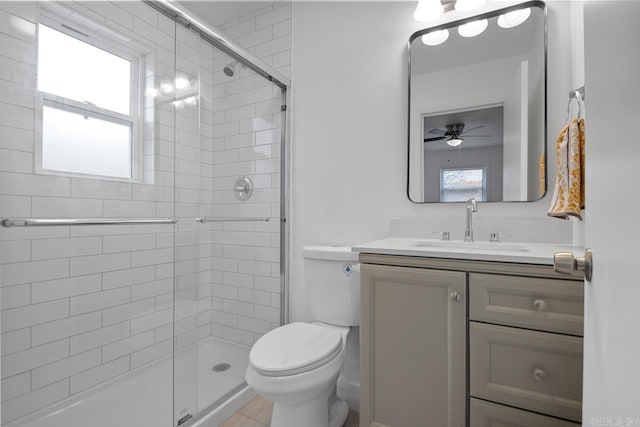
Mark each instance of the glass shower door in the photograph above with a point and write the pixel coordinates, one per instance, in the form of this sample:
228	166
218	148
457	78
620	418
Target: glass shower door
228	263
191	299
87	194
232	275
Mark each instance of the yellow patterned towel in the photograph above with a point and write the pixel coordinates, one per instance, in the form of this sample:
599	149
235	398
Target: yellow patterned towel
568	195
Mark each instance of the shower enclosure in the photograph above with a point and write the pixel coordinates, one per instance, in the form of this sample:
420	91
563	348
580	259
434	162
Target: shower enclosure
142	198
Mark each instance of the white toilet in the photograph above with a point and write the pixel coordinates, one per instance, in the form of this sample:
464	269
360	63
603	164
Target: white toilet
296	366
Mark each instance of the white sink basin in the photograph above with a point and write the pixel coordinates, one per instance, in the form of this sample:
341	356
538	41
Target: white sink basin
444	245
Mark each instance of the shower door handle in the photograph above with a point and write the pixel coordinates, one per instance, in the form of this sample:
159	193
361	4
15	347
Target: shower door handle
65	222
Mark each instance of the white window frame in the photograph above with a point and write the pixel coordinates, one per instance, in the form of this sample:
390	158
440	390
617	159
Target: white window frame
484	179
100	41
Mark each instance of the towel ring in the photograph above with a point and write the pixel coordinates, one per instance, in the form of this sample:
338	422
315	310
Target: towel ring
578	95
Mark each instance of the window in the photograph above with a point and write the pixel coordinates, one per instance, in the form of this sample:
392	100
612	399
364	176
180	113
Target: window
459	185
89	100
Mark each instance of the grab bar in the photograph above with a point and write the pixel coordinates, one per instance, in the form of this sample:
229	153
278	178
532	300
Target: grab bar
232	219
49	222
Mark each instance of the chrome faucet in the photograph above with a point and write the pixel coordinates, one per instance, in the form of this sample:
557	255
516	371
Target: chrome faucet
472	206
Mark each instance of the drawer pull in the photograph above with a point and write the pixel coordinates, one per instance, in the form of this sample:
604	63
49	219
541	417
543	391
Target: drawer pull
456	296
539	374
539	305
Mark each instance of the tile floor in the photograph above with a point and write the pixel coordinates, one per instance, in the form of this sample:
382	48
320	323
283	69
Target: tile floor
257	413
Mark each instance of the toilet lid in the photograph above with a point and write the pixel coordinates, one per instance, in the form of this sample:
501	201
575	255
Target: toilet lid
295	348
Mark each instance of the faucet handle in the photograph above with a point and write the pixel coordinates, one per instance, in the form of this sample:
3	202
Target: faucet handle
444	235
495	237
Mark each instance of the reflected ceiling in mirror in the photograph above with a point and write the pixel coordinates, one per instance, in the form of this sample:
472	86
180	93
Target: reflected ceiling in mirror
477	113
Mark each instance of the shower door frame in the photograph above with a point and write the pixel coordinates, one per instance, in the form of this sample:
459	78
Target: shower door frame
246	58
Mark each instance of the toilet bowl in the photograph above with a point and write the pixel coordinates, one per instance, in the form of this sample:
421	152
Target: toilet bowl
296	366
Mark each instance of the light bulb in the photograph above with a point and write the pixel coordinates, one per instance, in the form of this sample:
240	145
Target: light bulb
454	142
428	10
466	5
190	100
166	87
474	28
182	82
435	38
513	19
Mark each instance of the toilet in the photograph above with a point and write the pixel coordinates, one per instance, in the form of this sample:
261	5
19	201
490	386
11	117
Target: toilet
296	366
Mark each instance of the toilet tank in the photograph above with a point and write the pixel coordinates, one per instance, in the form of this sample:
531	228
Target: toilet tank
332	276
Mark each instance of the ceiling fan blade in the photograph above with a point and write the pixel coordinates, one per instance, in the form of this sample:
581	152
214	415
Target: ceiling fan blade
476	136
438	138
470	129
438	132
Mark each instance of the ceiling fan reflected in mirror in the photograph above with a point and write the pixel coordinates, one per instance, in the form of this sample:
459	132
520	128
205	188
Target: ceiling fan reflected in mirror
454	133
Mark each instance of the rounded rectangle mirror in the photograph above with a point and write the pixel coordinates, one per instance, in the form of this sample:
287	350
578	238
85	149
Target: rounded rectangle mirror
477	108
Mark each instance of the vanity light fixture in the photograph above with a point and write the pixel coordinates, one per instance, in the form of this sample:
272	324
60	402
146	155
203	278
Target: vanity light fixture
467	5
513	19
473	28
428	10
166	87
435	38
454	141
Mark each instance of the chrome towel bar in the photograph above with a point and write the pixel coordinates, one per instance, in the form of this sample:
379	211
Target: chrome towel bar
48	222
232	219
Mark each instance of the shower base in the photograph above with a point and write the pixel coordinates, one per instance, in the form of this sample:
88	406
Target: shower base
144	396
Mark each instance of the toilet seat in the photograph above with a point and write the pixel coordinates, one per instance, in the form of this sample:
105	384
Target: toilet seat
295	348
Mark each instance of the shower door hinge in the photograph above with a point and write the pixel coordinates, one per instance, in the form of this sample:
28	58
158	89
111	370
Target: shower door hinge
184	419
283	108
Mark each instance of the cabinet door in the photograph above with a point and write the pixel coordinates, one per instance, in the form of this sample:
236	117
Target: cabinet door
412	347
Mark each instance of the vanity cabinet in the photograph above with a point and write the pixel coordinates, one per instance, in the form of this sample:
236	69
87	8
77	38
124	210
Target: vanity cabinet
516	361
413	340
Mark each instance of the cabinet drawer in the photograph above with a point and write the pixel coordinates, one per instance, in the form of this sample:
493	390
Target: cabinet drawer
487	414
532	370
545	304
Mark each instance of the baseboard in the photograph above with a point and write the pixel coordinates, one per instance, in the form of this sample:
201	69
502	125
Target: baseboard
351	394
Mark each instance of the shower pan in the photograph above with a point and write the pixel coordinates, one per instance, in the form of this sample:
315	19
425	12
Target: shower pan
133	281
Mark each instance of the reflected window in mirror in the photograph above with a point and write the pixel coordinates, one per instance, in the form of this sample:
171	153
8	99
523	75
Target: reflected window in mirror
459	185
480	102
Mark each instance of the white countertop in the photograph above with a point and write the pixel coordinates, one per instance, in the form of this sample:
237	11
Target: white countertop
520	252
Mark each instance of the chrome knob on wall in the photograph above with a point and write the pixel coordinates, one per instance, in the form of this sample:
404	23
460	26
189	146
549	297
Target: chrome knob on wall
243	188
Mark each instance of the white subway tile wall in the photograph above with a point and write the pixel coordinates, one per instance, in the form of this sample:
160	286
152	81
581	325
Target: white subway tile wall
83	305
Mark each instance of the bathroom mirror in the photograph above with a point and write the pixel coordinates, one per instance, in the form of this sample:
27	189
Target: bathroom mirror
477	108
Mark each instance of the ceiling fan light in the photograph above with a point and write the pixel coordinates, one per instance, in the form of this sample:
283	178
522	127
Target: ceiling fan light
435	38
514	18
466	5
428	10
454	141
473	28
